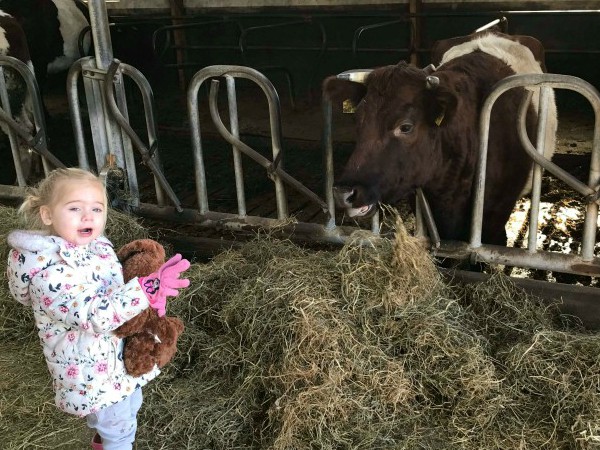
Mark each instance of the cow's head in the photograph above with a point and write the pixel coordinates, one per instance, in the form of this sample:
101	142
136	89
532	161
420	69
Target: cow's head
400	114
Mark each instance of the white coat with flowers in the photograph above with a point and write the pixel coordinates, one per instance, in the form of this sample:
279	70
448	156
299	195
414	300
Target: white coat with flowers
78	298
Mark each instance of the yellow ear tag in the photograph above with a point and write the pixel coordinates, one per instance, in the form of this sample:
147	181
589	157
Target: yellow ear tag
348	107
440	118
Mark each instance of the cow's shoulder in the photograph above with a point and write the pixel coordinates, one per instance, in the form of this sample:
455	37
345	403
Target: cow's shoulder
525	54
13	41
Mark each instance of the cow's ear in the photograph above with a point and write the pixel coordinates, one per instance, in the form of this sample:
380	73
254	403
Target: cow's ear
338	90
440	105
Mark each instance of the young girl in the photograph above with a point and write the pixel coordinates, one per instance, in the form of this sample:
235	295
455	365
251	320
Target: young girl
69	274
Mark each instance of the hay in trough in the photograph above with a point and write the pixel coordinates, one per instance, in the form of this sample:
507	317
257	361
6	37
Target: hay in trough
365	348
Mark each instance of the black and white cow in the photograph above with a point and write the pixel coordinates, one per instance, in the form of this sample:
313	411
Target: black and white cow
44	34
52	28
13	42
417	129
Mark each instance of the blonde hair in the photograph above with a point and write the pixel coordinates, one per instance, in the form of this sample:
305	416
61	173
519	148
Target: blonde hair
43	194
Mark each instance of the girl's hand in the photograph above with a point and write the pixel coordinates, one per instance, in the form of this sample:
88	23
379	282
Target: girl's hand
165	283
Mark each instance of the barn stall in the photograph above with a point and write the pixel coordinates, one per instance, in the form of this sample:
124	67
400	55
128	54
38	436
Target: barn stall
192	227
344	38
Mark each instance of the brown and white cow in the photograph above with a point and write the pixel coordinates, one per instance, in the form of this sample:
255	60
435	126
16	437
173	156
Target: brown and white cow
417	131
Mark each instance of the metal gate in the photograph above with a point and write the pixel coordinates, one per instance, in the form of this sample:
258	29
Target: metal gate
115	143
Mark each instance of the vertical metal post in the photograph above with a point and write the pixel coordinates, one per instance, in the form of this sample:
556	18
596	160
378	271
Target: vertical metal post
237	157
536	189
328	144
590	226
105	131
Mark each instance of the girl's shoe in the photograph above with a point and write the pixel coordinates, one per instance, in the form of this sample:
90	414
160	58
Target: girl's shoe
97	442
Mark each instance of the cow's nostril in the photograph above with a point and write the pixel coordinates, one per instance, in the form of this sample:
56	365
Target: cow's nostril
344	195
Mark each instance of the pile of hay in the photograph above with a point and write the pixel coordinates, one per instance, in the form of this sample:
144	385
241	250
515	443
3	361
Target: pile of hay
366	348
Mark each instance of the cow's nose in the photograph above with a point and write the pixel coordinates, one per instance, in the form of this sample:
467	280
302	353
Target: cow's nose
343	196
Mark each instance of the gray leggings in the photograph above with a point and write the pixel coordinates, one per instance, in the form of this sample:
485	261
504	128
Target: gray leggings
117	424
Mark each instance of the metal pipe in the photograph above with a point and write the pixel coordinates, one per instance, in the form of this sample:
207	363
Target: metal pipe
75	111
274	170
274	115
149	156
237	157
37	139
211	219
427	215
549	80
100	33
328	161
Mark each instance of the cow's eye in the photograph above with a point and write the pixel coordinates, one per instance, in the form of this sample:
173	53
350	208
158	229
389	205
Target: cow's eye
403	128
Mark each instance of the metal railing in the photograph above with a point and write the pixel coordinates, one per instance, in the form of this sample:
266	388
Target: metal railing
584	263
24	141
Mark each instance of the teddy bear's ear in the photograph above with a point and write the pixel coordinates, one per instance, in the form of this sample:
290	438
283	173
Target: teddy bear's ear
140	258
141	245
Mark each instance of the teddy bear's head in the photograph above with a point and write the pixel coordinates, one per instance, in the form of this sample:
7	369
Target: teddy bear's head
140	258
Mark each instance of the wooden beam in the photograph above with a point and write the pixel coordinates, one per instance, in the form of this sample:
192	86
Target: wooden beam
177	13
414	8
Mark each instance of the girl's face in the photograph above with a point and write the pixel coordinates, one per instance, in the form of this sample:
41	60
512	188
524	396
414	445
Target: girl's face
77	212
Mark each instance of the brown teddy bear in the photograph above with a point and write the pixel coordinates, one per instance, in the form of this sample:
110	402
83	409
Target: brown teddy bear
149	339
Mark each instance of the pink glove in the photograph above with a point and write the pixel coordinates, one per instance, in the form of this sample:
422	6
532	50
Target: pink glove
162	284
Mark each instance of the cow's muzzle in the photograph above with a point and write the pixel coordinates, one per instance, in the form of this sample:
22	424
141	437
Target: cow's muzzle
345	197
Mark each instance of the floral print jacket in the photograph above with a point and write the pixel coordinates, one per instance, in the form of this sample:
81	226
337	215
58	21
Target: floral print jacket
78	298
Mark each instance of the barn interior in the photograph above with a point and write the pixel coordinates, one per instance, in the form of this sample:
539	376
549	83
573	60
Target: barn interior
296	45
209	399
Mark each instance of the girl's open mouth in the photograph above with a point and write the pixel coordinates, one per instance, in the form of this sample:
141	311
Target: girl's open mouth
85	231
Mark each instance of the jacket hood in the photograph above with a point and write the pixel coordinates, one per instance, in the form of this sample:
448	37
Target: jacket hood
31	241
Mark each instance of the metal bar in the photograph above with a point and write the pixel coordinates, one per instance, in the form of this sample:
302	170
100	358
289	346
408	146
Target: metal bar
591	214
275	171
35	138
133	194
100	33
501	21
150	157
237	157
360	30
427	215
549	80
211	219
198	156
274	114
75	111
105	133
328	146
